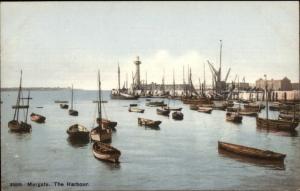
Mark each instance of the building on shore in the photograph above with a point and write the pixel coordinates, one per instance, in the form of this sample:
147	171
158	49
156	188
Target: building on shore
276	85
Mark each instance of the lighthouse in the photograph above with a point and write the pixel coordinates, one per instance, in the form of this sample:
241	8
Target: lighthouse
137	63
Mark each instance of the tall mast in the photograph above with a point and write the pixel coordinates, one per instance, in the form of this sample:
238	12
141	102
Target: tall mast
118	78
220	71
18	100
27	107
72	98
146	82
173	84
267	106
99	103
127	81
204	79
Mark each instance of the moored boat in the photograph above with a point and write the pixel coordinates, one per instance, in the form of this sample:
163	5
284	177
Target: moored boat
172	108
205	109
156	104
64	106
177	115
135	109
148	122
248	113
101	133
251	152
234	117
78	131
106	152
194	107
276	124
37	118
72	111
17	125
108	123
60	101
163	112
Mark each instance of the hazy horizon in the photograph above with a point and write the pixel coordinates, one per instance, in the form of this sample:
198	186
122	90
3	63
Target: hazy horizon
64	43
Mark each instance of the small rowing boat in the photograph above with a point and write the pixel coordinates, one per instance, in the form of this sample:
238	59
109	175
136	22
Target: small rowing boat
148	122
37	118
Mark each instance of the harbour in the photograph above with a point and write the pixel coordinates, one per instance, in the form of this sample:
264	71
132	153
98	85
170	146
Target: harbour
150	96
179	155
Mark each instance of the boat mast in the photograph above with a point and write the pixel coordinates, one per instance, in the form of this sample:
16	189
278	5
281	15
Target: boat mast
204	80
27	107
220	70
72	98
18	100
173	84
266	89
118	79
99	103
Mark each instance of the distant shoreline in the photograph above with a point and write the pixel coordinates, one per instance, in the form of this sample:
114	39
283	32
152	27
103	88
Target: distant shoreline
41	89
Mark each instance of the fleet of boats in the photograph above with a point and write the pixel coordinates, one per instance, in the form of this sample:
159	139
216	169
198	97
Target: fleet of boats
101	135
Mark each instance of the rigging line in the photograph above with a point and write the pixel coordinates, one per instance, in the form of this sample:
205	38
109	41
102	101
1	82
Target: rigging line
104	110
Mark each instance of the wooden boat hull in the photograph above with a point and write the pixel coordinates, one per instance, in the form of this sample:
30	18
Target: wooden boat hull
289	117
163	112
251	152
37	118
177	115
205	109
233	117
22	127
106	152
77	131
148	122
194	107
105	135
58	101
172	109
64	106
248	113
108	124
121	97
156	104
73	112
281	125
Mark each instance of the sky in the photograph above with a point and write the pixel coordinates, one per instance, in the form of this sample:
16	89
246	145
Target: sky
64	43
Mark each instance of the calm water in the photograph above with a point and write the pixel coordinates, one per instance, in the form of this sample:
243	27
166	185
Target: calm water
180	155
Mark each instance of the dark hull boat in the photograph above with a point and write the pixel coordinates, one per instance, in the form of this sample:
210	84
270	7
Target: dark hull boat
289	117
177	115
108	124
37	118
20	106
106	152
64	106
172	108
281	125
16	126
59	101
77	131
148	122
194	107
156	104
73	112
234	117
102	135
163	112
251	152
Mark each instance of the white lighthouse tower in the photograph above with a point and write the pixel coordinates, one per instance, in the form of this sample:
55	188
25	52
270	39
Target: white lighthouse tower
137	73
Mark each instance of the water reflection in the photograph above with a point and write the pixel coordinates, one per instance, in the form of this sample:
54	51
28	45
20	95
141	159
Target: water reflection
20	135
275	165
77	143
277	132
151	128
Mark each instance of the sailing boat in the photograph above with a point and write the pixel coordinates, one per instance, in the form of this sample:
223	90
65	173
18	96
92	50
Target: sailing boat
276	124
101	132
235	116
101	150
15	125
72	111
174	97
